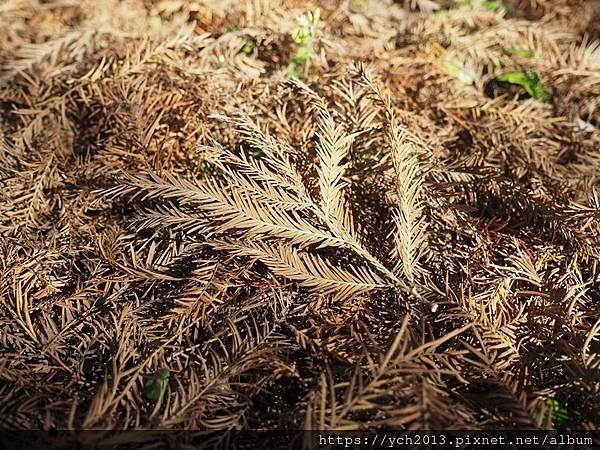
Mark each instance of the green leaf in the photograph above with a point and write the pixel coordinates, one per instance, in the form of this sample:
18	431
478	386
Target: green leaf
559	414
530	81
457	71
374	154
160	235
555	410
248	47
302	55
156	384
293	71
301	35
313	17
522	52
492	5
512	77
155	22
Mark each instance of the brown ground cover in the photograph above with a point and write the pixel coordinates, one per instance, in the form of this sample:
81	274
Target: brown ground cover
404	237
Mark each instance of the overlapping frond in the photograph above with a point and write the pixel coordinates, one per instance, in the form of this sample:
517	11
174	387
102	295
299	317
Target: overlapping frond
410	237
311	270
332	150
266	199
405	147
230	210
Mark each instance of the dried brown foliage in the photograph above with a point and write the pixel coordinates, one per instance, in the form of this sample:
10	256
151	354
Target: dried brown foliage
404	252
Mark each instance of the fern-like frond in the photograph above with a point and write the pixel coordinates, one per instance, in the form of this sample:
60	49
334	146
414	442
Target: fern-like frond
277	153
229	210
310	270
258	178
332	148
262	200
410	233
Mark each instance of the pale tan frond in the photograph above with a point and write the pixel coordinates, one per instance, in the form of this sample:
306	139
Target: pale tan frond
363	114
586	57
310	270
230	210
170	215
364	76
276	152
410	233
257	178
332	148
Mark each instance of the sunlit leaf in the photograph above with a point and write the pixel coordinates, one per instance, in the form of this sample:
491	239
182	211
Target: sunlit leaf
528	80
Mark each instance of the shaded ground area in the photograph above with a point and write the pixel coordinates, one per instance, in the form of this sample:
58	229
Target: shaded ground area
406	237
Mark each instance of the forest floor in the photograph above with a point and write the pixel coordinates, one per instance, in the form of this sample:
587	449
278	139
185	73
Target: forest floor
269	214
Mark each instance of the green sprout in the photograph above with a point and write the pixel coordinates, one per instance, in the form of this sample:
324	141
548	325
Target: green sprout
361	3
555	412
492	5
109	379
528	80
205	167
160	235
248	47
155	22
303	35
559	414
459	72
374	154
156	384
521	52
